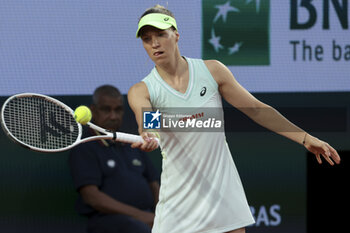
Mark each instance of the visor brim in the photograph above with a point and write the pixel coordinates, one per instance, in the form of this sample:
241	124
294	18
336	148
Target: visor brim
157	20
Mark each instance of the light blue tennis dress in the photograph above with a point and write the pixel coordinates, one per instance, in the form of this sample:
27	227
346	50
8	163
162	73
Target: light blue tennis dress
200	187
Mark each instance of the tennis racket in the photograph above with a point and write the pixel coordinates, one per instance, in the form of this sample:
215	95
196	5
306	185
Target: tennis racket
44	124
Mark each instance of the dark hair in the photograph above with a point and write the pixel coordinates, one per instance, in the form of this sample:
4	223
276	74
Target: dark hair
106	90
158	9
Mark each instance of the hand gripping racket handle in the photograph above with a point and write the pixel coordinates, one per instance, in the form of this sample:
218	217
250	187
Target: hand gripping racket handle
130	138
118	136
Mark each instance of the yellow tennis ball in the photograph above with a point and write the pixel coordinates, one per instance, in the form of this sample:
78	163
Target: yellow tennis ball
82	114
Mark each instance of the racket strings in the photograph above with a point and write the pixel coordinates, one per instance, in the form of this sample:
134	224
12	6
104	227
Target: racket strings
40	123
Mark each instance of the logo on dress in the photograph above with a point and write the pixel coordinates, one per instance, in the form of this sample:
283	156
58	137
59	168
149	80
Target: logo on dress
203	91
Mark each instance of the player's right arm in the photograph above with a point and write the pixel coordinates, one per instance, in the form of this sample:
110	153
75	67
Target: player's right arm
138	98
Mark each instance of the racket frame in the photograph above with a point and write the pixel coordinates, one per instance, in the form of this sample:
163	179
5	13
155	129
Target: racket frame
108	135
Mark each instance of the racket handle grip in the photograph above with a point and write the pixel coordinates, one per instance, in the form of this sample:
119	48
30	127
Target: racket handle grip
130	138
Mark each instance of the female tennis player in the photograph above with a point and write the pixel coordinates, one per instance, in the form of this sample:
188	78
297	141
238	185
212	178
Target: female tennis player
200	188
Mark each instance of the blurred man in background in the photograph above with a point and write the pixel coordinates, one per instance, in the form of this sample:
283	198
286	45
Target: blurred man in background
118	186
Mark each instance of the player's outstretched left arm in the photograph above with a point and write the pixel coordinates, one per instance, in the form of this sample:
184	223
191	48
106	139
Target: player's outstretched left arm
266	115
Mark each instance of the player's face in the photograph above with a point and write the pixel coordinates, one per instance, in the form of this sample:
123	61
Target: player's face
108	112
160	45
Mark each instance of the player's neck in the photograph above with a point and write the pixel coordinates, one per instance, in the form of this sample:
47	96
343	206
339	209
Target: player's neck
176	74
175	68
